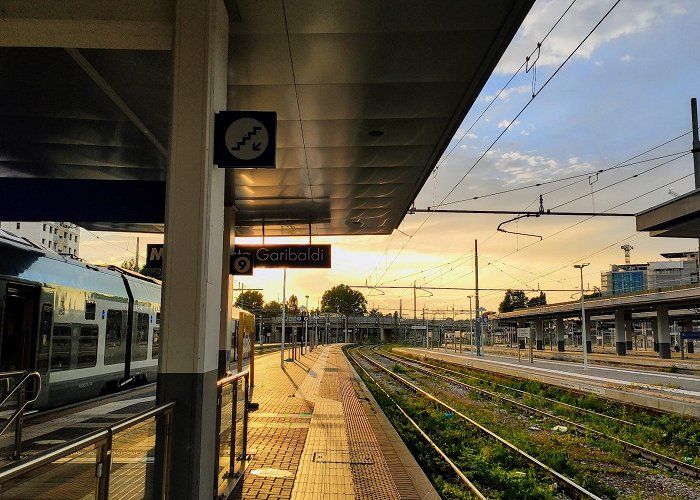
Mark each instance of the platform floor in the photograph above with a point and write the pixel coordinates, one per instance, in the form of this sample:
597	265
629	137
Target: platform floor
645	384
318	434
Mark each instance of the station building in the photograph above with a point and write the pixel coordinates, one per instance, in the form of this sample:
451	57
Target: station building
61	237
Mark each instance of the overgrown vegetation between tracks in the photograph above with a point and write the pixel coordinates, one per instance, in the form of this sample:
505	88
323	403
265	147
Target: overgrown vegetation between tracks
496	470
674	435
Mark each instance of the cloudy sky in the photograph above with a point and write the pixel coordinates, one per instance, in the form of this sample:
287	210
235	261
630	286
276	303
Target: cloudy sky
624	92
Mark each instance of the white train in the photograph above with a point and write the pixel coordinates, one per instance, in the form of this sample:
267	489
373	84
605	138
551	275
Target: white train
87	330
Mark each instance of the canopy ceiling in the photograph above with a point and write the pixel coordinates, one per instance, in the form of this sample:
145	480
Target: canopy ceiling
368	95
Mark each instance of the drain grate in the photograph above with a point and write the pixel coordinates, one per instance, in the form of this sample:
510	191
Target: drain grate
342	457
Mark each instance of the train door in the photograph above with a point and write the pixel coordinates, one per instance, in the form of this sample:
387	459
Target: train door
18	327
20	347
43	344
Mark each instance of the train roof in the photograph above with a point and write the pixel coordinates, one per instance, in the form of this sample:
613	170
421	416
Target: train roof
23	259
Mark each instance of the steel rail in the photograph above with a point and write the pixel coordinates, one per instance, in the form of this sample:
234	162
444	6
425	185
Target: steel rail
570	486
544	398
425	436
653	456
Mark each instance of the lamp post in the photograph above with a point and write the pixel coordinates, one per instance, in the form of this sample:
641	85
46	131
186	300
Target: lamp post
470	325
583	318
306	325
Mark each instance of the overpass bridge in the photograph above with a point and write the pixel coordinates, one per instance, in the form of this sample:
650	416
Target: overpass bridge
655	306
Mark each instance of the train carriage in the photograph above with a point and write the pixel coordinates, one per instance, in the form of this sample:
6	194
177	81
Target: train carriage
87	330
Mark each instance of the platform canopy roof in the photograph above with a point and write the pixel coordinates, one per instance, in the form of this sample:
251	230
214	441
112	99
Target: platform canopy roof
676	218
368	95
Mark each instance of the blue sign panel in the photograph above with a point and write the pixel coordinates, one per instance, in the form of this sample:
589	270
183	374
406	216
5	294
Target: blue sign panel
691	335
245	139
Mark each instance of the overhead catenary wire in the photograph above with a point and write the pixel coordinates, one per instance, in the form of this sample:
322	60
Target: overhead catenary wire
546	83
527	105
582	176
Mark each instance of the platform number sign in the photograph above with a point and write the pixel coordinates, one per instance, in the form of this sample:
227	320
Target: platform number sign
245	139
242	265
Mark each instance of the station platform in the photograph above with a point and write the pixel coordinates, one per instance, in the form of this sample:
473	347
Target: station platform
643	385
318	433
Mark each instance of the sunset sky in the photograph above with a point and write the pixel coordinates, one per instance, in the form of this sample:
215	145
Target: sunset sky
625	91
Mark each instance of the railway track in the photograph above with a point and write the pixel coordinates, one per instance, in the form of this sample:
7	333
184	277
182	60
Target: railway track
569	486
636	450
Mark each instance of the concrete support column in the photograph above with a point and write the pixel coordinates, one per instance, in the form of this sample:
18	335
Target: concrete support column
520	324
629	331
655	331
687	326
539	333
194	223
663	332
620	339
382	335
561	333
589	333
226	294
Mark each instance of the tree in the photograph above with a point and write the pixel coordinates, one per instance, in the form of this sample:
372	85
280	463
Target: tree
343	299
293	305
249	299
272	309
539	300
153	272
514	299
129	265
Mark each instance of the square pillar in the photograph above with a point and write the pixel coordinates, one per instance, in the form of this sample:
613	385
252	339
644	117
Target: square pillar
655	332
194	224
662	337
561	333
589	330
226	294
539	333
629	331
620	339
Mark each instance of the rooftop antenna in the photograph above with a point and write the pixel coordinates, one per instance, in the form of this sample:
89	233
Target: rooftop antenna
627	249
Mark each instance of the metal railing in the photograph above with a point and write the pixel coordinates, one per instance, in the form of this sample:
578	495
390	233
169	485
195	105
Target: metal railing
231	431
19	390
125	460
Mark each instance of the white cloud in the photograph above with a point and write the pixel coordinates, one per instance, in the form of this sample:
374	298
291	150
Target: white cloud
627	19
472	135
507	92
524	132
626	58
506	123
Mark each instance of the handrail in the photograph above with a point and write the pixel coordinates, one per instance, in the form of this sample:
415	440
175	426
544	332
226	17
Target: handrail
230	379
231	477
141	417
22	403
103	439
95	437
16	388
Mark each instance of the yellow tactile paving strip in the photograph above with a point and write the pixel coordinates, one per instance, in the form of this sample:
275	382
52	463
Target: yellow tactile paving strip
311	438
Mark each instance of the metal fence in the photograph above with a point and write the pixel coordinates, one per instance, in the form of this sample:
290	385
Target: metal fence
232	430
119	462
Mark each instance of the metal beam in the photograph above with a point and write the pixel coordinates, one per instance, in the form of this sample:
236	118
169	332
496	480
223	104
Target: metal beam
87	24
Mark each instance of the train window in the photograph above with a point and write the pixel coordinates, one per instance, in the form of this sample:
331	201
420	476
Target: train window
42	356
90	309
156	342
87	346
60	348
139	340
158	318
114	345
